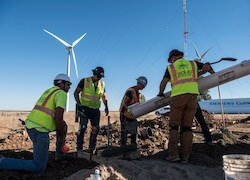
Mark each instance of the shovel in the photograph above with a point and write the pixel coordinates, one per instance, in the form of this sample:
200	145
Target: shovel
224	59
108	133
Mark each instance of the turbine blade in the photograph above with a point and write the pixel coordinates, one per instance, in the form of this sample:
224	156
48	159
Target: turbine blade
196	51
59	39
79	39
74	59
204	53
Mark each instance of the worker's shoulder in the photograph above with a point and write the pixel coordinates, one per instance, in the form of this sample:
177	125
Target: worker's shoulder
131	89
61	93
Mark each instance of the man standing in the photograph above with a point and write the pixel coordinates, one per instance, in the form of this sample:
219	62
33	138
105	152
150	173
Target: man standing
183	76
128	121
198	115
46	116
92	89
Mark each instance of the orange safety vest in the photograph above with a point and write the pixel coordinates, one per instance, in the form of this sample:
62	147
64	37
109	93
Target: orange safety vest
135	99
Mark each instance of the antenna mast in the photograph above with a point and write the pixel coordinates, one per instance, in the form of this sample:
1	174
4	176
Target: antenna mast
185	28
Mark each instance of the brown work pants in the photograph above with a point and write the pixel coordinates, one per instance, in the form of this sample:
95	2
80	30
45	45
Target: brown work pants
182	112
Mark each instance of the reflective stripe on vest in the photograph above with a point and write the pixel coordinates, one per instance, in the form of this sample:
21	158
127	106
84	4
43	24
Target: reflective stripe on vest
45	110
94	98
43	107
91	95
182	81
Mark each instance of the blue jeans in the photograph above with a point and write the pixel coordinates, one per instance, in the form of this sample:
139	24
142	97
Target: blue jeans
94	116
40	154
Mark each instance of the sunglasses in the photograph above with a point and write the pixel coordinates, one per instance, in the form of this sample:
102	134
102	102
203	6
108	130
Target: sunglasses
99	76
68	83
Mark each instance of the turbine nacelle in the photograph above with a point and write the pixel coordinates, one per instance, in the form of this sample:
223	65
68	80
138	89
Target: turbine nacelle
68	48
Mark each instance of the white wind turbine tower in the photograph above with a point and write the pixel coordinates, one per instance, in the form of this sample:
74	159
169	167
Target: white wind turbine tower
69	49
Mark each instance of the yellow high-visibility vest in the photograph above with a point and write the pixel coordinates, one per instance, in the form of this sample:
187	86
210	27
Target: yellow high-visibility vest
91	97
183	77
44	111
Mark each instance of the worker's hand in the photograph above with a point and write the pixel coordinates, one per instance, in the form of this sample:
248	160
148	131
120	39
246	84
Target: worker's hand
64	148
106	110
206	67
160	95
211	71
130	113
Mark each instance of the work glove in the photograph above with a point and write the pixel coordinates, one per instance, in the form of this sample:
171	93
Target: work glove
106	110
160	95
130	113
64	148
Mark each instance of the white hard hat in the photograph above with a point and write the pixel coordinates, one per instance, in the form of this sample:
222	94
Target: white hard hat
63	77
142	80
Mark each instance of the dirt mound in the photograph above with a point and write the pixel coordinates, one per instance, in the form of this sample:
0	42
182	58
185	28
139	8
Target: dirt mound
18	145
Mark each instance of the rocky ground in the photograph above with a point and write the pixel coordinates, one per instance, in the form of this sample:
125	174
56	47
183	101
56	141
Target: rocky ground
17	144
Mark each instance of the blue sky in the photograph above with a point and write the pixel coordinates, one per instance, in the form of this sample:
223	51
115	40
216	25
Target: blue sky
128	38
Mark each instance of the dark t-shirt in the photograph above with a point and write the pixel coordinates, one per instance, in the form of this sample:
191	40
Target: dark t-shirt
199	65
81	84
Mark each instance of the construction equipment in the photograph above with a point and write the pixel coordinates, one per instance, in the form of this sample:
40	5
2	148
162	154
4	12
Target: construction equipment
218	78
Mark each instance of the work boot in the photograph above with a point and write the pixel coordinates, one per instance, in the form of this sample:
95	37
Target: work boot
89	150
184	161
210	143
173	144
186	145
173	159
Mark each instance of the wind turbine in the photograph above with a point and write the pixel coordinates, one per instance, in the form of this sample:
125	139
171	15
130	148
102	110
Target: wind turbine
198	54
69	49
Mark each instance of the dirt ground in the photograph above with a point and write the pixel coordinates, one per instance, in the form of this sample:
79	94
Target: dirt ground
15	143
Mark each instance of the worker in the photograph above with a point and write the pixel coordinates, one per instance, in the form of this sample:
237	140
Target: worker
199	116
205	130
183	75
128	121
92	89
46	116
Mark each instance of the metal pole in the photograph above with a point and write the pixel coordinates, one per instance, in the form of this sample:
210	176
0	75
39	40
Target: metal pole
108	132
185	28
221	109
68	73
